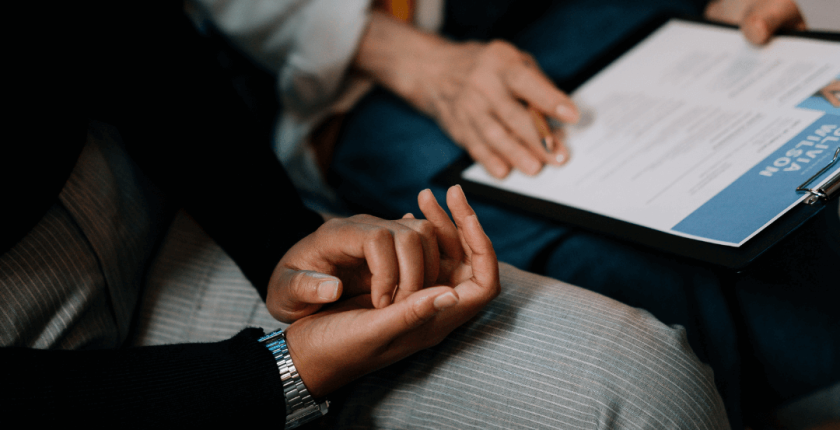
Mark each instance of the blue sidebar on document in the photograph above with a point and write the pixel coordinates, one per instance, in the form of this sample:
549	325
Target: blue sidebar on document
768	189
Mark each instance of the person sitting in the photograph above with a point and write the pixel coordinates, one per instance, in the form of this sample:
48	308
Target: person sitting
466	92
138	96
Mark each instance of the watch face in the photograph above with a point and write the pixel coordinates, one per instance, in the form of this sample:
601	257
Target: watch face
307	414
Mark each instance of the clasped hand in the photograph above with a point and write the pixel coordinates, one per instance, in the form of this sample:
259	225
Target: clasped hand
391	288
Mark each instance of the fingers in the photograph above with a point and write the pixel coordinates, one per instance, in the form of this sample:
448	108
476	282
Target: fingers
460	209
523	81
378	337
830	91
471	230
495	134
831	97
525	127
728	11
402	255
447	233
369	254
469	138
485	265
528	83
764	18
431	253
399	318
380	251
457	203
489	118
554	150
302	293
561	152
758	19
333	347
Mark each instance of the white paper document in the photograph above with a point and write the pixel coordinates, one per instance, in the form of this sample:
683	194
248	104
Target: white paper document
697	133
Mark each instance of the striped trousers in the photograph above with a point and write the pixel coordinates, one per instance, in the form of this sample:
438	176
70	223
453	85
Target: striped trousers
544	354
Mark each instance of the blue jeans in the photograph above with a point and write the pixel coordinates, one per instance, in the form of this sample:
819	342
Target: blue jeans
389	152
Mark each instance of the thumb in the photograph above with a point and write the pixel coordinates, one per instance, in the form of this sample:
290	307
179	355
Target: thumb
294	294
415	310
766	17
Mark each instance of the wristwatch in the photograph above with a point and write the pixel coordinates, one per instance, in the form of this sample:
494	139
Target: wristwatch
300	407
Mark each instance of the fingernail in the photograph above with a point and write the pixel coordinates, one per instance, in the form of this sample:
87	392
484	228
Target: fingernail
328	290
499	172
444	301
567	113
532	167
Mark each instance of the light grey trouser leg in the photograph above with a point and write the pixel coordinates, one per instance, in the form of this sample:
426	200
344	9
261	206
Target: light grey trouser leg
544	354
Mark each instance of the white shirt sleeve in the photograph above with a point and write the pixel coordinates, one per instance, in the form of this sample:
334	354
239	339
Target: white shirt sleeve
308	43
820	15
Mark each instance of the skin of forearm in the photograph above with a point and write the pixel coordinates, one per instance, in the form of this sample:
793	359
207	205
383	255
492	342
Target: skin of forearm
397	56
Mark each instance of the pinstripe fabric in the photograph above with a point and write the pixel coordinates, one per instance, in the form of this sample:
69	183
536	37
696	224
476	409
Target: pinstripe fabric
73	281
542	355
43	304
196	293
545	355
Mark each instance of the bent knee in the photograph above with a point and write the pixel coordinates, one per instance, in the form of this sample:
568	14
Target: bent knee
654	377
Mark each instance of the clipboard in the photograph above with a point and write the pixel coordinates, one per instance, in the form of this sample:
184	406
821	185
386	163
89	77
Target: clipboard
714	254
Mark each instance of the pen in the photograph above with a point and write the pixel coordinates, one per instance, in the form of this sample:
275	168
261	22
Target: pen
543	129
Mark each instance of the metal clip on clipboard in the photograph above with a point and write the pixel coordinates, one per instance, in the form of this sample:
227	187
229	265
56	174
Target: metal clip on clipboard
828	189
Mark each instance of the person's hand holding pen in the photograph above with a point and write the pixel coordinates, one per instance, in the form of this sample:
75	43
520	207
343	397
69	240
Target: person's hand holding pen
490	98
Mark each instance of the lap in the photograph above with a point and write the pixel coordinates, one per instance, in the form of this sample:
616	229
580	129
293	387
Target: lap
545	354
542	355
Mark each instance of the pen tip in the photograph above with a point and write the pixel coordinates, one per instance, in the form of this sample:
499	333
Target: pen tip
548	144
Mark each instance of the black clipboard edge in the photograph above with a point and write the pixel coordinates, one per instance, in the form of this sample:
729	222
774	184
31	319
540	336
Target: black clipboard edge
717	255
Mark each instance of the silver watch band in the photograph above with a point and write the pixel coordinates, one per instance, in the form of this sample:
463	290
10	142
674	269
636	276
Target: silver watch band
300	406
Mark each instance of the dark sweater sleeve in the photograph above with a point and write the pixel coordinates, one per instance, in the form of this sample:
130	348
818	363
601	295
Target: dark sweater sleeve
234	381
183	123
139	66
142	67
